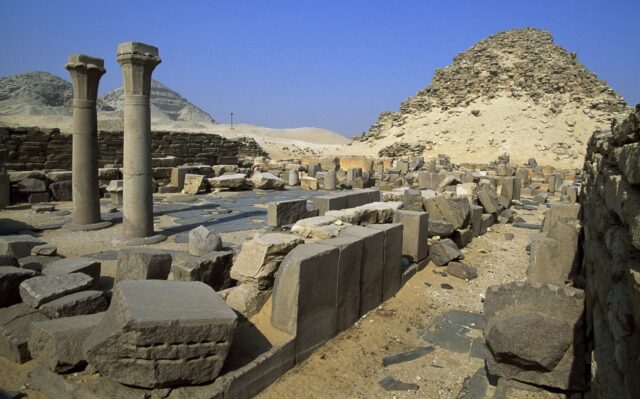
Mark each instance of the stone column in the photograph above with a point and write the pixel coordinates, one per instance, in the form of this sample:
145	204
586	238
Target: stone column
85	76
138	61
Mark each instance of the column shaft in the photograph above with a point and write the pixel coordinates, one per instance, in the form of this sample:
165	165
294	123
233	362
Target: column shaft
86	195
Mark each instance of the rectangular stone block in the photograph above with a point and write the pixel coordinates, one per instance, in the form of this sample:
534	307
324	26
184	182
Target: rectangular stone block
392	270
10	279
414	235
18	246
348	278
76	304
327	203
476	220
42	289
15	322
143	264
488	220
372	269
286	212
304	296
76	264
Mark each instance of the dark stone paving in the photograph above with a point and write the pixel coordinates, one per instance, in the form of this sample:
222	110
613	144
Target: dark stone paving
391	384
406	356
452	331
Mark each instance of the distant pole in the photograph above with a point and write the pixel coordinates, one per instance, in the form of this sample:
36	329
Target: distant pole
232	120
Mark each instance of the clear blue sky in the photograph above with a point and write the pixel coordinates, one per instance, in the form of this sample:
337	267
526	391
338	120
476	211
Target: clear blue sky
331	64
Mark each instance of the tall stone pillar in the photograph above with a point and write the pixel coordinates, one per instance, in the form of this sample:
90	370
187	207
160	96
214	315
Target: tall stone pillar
138	61
85	76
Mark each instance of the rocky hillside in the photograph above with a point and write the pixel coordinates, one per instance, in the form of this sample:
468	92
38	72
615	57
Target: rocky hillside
44	94
515	91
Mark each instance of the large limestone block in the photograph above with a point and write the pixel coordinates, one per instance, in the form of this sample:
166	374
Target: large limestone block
392	270
309	183
306	227
213	269
193	184
286	212
304	296
247	299
553	257
203	241
57	344
42	289
10	279
415	233
372	269
535	334
162	334
348	278
235	181
76	304
559	210
260	258
143	264
18	246
266	181
440	208
76	264
15	322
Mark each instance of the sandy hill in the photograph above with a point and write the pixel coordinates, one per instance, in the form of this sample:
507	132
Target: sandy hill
35	93
514	92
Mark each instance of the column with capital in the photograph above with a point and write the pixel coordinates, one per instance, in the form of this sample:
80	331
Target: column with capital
137	60
85	73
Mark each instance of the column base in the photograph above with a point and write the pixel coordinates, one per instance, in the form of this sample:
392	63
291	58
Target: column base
154	239
88	227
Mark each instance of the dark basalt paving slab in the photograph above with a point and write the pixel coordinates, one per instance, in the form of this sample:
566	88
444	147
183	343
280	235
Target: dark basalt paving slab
452	331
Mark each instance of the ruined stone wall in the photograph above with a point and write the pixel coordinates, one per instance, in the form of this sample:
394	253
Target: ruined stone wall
611	201
35	148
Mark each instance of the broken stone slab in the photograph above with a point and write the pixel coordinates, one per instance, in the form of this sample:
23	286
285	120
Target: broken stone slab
558	210
440	208
462	238
18	246
304	296
57	343
193	184
348	278
309	183
553	256
530	226
38	203
235	181
444	251
488	220
15	322
37	262
489	201
259	259
475	219
247	299
76	304
462	270
415	233
203	241
266	181
440	228
212	269
182	330
326	203
77	264
143	264
391	384
44	250
392	268
31	185
42	289
378	212
281	213
535	334
10	279
305	227
407	356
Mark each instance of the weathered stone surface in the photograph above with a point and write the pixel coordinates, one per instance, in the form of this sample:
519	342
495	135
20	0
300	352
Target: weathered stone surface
304	296
143	264
10	279
462	238
8	260
15	322
286	212
18	246
247	299
415	233
558	210
326	203
212	269
37	262
440	208
44	250
76	264
79	303
462	270
442	252
553	256
62	191
348	278
203	241
31	185
266	181
260	258
162	334
392	269
489	201
309	183
534	334
372	269
42	289
234	181
440	228
306	227
193	184
475	218
57	344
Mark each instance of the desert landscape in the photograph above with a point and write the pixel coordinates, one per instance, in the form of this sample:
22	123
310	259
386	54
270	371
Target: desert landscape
482	241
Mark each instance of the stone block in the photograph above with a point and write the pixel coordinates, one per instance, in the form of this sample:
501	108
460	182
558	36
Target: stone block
442	252
553	256
461	270
79	303
462	238
558	210
304	296
235	181
535	334
306	227
327	203
511	188
193	184
440	208
259	259
5	190
392	269
212	269
143	264
489	201
412	201
309	183
266	181
10	279
30	185
415	233
18	246
372	268
44	250
440	228
247	299
38	198
76	264
8	260
15	323
42	289
37	262
348	278
286	212
178	176
203	241
57	343
488	220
